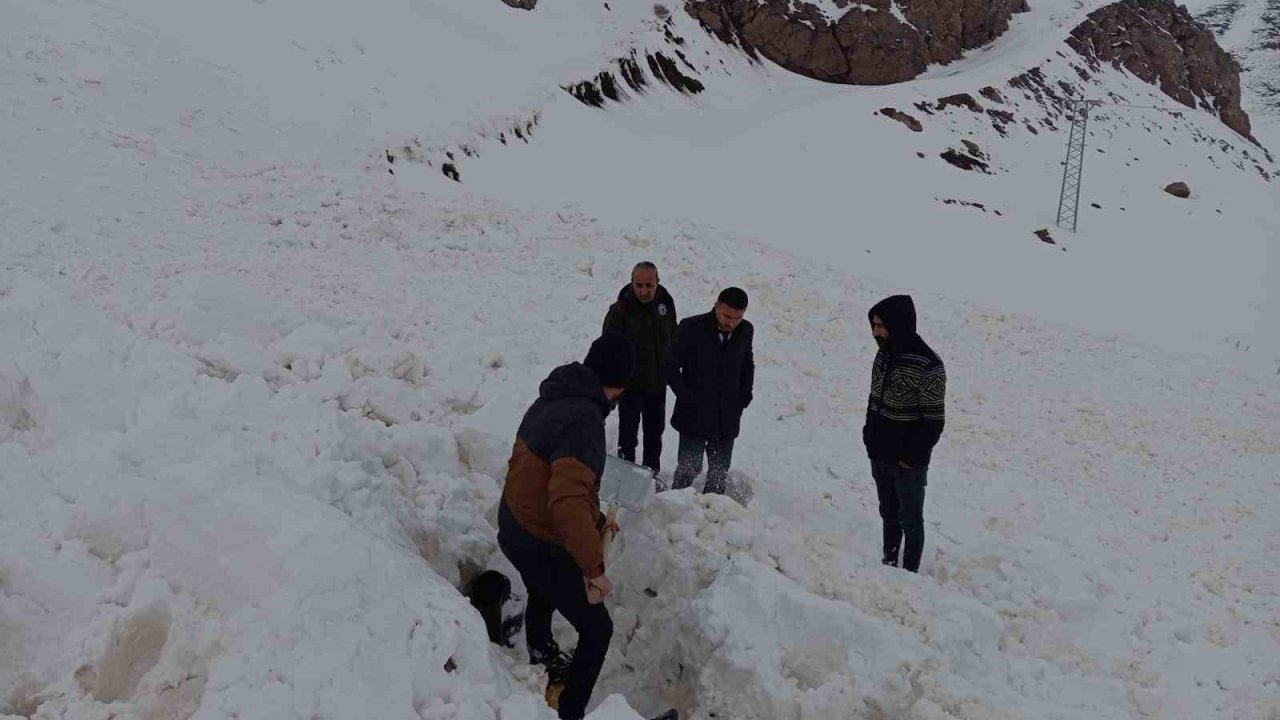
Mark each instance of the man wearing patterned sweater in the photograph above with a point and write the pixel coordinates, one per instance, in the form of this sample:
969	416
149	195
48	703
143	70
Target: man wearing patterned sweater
905	415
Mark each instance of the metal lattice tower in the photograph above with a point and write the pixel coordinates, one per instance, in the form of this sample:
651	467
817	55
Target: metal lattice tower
1073	169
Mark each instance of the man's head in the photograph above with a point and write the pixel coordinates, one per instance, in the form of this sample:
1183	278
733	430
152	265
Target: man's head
878	328
730	307
644	282
613	359
893	320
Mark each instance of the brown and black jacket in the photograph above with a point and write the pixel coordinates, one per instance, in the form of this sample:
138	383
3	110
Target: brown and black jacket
553	477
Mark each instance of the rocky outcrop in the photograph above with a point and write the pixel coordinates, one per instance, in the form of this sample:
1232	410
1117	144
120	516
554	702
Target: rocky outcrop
606	86
1178	190
1159	42
904	118
872	42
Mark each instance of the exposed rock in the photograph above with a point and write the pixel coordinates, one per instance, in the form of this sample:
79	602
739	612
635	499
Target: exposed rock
604	87
973	149
1045	237
1178	189
868	44
963	161
965	203
992	94
1000	120
521	4
964	100
903	118
1159	42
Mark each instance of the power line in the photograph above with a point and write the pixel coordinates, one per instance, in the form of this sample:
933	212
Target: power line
1073	168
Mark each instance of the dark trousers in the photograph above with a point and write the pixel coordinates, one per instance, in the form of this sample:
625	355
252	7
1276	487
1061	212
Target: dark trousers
554	584
689	463
652	407
901	492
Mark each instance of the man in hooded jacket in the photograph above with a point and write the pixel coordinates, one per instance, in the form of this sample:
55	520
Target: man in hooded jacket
646	314
549	522
905	417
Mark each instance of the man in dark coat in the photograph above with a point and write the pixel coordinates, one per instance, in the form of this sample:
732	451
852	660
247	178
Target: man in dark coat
905	416
549	521
711	370
646	314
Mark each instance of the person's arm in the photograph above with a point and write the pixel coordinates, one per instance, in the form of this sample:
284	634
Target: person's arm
748	378
613	321
926	431
570	496
673	364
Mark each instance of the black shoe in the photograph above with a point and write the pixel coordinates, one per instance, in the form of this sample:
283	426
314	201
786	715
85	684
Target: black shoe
556	663
553	659
890	560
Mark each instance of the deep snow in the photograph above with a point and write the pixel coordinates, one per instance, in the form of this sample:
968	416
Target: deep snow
257	392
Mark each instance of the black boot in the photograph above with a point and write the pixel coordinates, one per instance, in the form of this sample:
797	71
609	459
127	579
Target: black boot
556	662
890	558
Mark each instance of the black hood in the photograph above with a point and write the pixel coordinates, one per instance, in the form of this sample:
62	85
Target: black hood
574	380
898	313
662	296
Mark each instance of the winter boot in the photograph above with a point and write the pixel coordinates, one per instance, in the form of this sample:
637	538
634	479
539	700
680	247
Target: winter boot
890	559
556	663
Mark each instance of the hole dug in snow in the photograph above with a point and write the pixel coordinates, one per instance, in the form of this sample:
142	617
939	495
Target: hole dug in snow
134	648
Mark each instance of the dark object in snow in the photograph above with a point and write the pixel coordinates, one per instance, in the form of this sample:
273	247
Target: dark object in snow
1045	237
487	594
1178	190
451	171
521	4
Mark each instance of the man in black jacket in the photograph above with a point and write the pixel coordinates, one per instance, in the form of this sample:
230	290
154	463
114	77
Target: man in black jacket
711	370
646	314
905	416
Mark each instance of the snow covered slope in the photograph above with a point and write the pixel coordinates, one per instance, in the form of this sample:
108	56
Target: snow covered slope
1250	30
258	382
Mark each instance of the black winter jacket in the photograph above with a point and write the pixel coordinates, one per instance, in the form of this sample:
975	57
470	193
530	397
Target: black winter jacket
907	407
650	327
713	381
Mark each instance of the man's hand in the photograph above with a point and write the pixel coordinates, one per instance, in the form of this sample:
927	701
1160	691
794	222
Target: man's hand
903	464
610	526
598	589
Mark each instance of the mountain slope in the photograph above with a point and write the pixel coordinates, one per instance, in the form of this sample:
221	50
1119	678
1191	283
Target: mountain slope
258	380
1250	30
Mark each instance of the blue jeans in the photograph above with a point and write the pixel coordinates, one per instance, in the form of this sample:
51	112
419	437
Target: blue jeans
689	463
901	492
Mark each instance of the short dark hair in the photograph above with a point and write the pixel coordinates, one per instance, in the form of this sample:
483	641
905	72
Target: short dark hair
646	265
734	297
